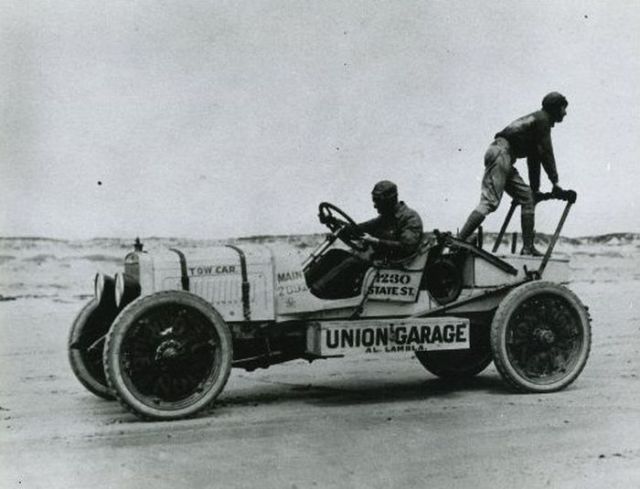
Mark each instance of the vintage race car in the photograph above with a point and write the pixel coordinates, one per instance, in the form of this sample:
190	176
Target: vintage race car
162	335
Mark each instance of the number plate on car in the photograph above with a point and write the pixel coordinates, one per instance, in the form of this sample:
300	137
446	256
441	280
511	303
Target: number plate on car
395	285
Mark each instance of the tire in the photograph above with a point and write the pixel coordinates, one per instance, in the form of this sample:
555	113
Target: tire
540	337
461	364
168	355
443	280
455	364
85	345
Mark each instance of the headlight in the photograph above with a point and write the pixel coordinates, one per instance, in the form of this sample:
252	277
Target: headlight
104	288
126	289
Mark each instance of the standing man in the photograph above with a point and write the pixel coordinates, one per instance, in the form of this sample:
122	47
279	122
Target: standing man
530	137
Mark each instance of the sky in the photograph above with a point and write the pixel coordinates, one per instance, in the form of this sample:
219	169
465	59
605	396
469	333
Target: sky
222	119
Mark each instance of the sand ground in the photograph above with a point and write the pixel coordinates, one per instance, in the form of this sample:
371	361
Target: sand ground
374	423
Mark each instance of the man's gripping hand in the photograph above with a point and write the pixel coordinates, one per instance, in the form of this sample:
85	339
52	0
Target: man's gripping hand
367	238
557	193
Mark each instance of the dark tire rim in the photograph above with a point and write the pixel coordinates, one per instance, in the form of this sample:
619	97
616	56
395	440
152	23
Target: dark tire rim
90	350
170	356
456	365
544	338
86	344
443	281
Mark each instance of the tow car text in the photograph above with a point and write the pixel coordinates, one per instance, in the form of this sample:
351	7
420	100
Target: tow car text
211	270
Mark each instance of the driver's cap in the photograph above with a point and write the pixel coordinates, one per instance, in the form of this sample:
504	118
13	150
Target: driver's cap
384	190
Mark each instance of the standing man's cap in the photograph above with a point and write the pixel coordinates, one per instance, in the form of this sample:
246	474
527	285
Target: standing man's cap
554	99
385	189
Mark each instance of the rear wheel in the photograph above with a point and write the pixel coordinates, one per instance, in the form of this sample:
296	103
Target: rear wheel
168	355
540	337
86	342
462	364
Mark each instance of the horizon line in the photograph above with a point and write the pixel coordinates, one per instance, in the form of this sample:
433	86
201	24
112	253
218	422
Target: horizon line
51	238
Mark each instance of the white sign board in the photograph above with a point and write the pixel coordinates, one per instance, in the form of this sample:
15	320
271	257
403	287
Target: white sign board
395	285
339	338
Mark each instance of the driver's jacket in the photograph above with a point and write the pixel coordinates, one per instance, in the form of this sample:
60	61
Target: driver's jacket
400	234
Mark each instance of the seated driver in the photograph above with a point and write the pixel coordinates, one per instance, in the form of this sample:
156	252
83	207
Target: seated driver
397	231
394	235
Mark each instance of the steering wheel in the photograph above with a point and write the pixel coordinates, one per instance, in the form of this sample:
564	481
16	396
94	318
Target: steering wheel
345	229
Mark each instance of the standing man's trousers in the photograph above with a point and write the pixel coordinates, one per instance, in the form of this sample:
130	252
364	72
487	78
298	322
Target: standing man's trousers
500	176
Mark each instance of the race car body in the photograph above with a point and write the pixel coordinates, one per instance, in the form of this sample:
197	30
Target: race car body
251	282
162	335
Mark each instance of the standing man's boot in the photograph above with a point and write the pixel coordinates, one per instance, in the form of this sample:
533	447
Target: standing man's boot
528	235
473	222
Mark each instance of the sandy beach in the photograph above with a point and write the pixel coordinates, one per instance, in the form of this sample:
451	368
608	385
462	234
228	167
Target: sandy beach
374	423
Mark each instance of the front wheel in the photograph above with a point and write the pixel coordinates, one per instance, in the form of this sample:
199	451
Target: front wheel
85	345
168	355
540	337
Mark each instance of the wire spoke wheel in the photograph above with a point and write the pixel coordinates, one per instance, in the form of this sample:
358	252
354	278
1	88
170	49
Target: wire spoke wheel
544	345
541	337
169	355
